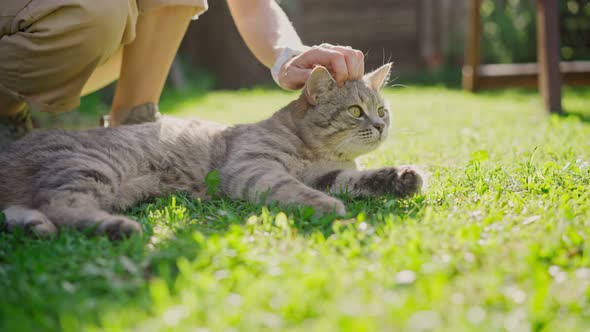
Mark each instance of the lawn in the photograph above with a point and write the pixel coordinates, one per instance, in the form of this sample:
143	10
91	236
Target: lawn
497	241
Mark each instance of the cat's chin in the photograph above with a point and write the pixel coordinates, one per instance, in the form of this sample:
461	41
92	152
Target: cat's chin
370	147
352	154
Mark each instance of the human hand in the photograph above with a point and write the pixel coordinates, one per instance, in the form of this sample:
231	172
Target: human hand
343	62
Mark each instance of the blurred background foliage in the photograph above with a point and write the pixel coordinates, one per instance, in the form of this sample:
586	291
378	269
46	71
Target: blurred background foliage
424	38
509	33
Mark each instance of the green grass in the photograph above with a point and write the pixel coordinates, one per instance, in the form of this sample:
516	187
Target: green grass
497	242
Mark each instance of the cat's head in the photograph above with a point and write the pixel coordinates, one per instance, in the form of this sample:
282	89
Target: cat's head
346	122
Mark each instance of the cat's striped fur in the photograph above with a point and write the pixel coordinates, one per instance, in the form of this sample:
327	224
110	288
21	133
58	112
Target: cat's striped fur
303	152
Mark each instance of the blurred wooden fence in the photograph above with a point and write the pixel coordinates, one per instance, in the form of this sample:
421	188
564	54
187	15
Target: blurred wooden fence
411	33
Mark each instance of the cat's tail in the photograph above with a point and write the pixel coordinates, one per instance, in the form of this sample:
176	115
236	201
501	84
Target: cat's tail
32	222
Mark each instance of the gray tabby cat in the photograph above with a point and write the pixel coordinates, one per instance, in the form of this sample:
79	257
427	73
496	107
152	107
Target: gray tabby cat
305	151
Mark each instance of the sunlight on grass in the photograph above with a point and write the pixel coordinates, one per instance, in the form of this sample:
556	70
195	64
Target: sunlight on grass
496	242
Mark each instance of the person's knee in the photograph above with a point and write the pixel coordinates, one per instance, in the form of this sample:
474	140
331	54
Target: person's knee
103	26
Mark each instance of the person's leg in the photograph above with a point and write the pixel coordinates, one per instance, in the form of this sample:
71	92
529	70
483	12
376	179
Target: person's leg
159	42
52	47
146	62
48	50
16	123
10	103
104	74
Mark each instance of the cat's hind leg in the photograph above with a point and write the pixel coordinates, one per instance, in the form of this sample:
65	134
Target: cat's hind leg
33	222
82	211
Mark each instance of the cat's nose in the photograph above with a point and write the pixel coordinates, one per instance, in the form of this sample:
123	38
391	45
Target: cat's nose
379	127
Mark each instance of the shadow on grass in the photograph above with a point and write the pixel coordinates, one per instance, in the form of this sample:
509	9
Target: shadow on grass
579	110
575	114
73	280
216	216
575	105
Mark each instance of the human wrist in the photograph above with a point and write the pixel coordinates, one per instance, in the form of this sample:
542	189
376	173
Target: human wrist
284	55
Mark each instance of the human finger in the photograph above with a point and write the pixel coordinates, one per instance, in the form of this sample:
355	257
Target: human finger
333	60
355	60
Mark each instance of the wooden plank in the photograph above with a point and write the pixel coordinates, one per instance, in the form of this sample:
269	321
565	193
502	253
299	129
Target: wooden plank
574	73
472	46
528	81
565	67
364	21
548	46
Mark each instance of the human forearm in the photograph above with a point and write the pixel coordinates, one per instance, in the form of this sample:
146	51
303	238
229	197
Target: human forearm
265	28
267	31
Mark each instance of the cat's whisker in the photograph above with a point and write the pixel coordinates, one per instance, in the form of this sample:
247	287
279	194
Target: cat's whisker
407	132
398	85
344	142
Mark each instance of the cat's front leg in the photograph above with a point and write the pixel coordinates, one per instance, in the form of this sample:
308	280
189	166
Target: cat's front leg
271	184
400	181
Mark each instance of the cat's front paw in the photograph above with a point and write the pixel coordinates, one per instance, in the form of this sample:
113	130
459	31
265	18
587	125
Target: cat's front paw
407	181
118	227
329	205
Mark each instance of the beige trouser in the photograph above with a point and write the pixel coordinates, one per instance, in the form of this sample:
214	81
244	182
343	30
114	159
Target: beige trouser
53	51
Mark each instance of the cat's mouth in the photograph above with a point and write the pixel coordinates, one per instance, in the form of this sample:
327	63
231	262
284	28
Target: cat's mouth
371	136
361	142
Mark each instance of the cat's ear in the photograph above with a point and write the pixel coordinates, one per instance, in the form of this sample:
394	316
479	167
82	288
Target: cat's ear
319	82
379	77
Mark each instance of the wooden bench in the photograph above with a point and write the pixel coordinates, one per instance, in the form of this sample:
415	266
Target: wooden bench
547	74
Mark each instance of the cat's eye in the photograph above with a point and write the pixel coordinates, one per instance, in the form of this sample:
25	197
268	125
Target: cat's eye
355	111
381	111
